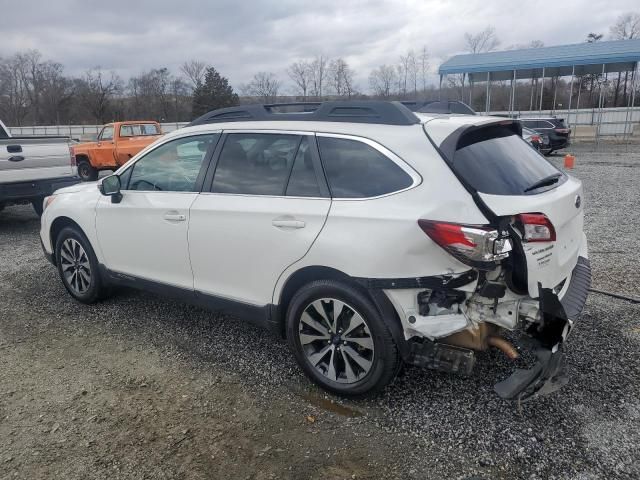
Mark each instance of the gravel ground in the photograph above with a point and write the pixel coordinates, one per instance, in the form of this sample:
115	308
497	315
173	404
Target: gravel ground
142	387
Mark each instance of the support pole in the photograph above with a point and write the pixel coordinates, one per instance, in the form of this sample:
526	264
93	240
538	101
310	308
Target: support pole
600	108
471	91
634	75
440	89
513	93
462	95
541	89
486	102
573	72
626	115
531	97
555	91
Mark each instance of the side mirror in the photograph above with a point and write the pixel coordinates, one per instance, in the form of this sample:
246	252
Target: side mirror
110	187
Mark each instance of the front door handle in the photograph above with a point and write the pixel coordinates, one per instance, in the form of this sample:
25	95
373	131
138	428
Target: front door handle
16	158
288	223
174	217
14	148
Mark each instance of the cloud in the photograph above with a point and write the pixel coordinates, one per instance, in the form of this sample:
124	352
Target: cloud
241	38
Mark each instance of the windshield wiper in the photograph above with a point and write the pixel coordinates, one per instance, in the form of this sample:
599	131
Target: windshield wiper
549	180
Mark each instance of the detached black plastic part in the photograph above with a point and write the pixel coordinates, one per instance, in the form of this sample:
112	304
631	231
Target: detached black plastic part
548	375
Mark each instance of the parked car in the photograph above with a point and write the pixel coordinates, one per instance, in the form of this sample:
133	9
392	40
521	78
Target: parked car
365	234
117	143
555	128
537	140
33	167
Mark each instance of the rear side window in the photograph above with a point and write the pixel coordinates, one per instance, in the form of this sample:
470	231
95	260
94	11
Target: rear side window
255	163
497	161
357	170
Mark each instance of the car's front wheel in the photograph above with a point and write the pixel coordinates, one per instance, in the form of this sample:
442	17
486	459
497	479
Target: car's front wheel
78	266
340	340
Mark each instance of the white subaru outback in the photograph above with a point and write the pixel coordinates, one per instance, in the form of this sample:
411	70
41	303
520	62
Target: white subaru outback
367	234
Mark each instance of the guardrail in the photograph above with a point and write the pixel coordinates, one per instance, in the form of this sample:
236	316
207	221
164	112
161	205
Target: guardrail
609	122
85	132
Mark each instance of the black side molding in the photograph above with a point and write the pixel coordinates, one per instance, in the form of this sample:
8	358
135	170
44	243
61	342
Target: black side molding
438	282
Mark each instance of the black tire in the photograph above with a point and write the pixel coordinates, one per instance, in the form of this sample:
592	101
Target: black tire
86	171
385	359
95	289
37	205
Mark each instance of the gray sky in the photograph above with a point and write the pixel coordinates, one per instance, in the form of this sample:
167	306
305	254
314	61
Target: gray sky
242	37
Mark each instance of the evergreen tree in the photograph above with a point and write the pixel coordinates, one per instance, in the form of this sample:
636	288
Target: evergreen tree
214	93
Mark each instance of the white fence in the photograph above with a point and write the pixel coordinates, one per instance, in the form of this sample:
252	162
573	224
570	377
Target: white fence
84	132
613	122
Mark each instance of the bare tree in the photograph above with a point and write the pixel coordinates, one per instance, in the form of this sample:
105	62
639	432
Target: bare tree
340	77
484	41
14	96
194	70
98	91
264	85
382	80
627	27
423	66
300	73
318	69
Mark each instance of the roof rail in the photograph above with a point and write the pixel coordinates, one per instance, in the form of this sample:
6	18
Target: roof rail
360	111
440	106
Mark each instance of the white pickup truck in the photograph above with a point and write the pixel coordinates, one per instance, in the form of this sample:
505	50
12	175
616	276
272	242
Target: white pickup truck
33	167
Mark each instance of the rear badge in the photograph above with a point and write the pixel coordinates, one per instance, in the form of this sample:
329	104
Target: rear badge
578	201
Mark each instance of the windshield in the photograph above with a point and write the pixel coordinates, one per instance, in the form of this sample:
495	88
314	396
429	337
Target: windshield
495	160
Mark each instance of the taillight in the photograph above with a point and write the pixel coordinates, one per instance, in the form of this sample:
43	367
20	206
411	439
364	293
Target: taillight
73	156
477	246
535	227
535	138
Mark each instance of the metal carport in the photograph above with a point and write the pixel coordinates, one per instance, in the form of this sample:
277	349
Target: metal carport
574	60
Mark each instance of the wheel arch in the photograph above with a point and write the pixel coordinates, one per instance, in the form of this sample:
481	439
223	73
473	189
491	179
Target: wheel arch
308	274
56	227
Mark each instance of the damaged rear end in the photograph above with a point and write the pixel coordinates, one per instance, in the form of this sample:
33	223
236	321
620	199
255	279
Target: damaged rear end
528	265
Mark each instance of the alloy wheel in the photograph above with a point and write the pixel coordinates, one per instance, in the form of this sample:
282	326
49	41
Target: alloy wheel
336	340
75	265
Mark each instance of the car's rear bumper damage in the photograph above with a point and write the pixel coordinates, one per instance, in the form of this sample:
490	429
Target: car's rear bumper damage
547	341
460	329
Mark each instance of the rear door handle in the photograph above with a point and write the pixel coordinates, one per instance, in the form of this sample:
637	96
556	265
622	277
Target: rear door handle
174	217
288	223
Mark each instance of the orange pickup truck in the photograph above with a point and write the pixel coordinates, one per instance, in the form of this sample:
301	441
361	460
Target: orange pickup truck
116	144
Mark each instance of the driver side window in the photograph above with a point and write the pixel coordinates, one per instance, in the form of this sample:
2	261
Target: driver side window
106	134
172	167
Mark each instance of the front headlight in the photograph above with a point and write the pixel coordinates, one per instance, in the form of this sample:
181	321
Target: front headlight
48	201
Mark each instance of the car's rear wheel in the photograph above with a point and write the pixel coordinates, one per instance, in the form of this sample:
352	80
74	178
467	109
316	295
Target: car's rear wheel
78	266
86	171
340	340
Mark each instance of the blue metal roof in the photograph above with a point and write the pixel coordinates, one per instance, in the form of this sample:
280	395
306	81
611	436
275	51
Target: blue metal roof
598	53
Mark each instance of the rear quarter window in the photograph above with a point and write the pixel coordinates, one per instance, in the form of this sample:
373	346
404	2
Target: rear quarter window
495	160
355	169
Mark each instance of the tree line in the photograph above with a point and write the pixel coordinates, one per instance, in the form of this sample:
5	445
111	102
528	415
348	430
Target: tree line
34	90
